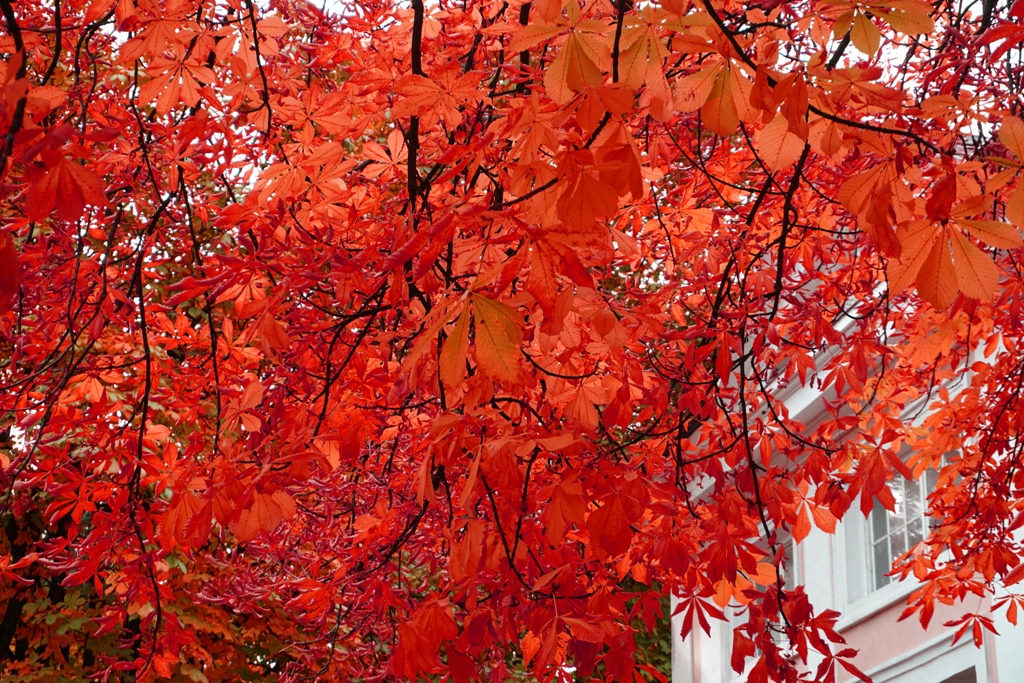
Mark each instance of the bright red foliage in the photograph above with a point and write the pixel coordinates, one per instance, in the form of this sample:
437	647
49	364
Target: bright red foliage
401	340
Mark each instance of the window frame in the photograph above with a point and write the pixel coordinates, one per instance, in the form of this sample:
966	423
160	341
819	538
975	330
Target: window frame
922	487
855	579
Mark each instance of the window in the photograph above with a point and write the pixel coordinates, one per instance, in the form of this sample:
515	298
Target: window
890	534
968	676
871	545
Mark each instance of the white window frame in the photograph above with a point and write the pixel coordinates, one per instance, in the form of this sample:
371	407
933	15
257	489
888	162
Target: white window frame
856	600
855	580
922	487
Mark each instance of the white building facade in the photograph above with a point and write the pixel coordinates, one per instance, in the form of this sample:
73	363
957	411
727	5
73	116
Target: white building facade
847	571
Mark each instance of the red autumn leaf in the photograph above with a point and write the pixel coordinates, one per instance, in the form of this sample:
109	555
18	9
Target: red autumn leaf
436	341
8	272
68	186
609	528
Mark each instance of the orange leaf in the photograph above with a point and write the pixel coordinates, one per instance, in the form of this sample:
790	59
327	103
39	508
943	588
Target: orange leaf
777	146
585	200
275	334
976	273
452	363
285	505
498	339
440	95
823	519
530	645
802	526
911	17
252	396
720	113
766	574
532	35
467	552
571	71
1015	207
275	27
937	280
693	91
993	233
1011	134
916	239
543	280
864	35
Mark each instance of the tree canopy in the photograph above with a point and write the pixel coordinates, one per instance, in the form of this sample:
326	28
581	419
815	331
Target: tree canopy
401	339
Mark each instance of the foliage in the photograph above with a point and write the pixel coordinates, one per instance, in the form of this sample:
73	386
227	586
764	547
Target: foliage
391	340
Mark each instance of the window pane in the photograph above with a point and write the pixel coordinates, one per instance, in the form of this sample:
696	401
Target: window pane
899	491
881	564
915	532
879	528
892	534
968	676
915	502
898	516
897	544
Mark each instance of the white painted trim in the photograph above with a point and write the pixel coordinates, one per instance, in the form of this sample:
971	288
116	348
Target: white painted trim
875	602
850	566
918	657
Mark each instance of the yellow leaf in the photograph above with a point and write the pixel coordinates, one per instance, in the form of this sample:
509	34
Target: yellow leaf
499	336
976	273
865	35
453	353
